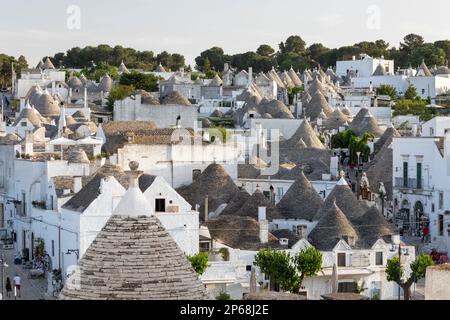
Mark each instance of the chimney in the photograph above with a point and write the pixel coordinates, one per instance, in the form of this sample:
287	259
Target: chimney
70	94
77	185
263	225
28	143
53	88
206	208
353	58
22	104
250	76
85	98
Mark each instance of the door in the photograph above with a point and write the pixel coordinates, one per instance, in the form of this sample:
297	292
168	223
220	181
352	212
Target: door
2	216
347	287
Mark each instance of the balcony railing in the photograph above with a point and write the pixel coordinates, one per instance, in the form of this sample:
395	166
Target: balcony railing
410	184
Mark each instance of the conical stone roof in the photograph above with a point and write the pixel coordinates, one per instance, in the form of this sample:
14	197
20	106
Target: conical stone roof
317	105
134	258
215	182
379	71
48	64
331	228
28	114
294	77
345	199
175	98
305	133
301	201
258	199
373	226
47	105
216	82
105	84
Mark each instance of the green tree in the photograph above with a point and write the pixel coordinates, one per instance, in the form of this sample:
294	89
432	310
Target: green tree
278	265
294	44
265	50
96	72
139	80
444	45
387	90
177	61
395	272
223	296
117	93
318	52
199	262
411	92
308	263
429	53
411	42
215	56
292	59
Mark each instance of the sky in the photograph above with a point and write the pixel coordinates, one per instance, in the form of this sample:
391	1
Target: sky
37	28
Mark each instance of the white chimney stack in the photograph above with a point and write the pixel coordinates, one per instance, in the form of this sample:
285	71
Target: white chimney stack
77	185
263	225
250	76
85	98
447	143
53	88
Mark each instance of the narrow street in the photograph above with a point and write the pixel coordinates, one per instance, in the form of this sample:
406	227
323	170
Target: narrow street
32	289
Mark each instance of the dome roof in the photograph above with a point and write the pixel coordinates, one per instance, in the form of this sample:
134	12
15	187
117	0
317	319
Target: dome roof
160	68
74	82
442	70
47	106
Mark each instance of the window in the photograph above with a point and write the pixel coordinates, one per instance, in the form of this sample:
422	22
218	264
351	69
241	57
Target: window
431	132
23	124
432	207
423	91
341	259
379	258
53	248
195	174
248	268
24	205
441	200
267	194
160	205
347	287
50	206
441	225
204	246
405	174
419	176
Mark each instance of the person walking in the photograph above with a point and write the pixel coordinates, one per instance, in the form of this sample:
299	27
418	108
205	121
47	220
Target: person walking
17	282
8	287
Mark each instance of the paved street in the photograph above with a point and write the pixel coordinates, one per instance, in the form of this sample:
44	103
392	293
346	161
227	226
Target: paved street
32	289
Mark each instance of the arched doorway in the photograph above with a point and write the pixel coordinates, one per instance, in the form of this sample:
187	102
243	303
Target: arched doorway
402	219
417	218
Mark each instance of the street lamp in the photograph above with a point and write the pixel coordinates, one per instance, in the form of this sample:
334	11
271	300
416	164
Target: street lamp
76	251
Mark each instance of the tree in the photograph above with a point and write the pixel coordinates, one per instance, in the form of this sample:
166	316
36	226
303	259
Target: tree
428	53
223	296
118	92
139	80
411	92
96	72
278	265
199	262
387	90
444	45
318	52
265	50
396	273
177	61
293	44
292	59
410	42
308	263
215	56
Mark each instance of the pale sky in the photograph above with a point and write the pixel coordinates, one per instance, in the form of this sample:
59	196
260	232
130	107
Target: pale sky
37	28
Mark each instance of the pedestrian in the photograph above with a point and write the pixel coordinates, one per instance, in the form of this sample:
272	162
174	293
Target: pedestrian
17	281
8	287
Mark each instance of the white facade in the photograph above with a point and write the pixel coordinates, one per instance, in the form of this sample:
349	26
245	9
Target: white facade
421	180
164	116
29	79
177	163
436	127
365	66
